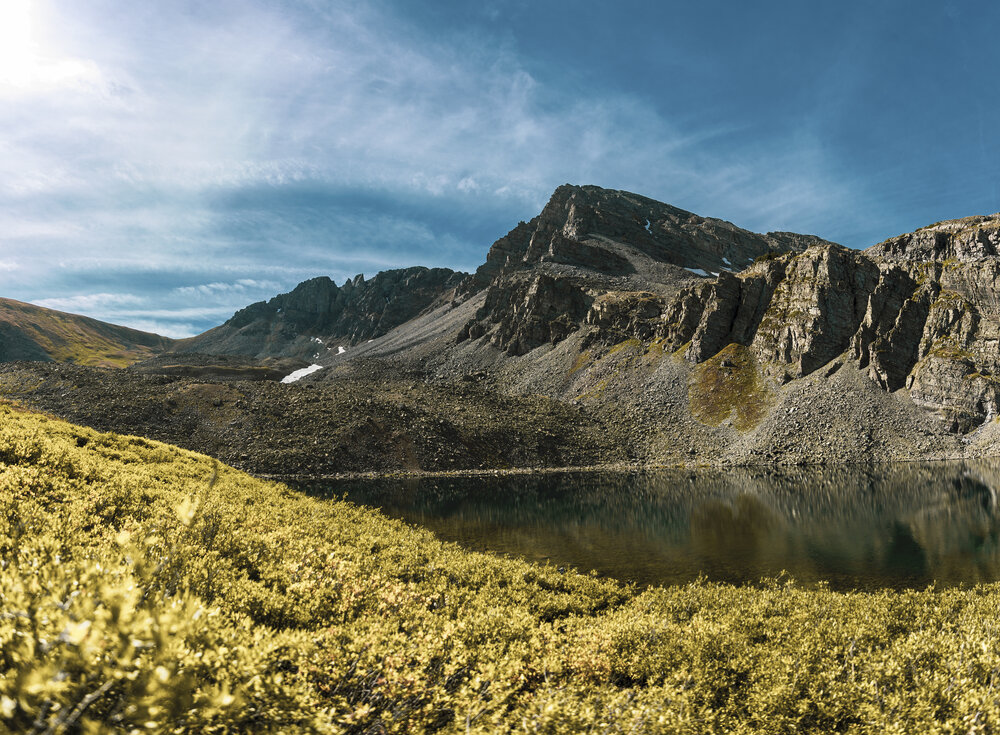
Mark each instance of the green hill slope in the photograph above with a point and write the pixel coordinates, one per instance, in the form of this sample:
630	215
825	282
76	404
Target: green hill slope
146	588
29	332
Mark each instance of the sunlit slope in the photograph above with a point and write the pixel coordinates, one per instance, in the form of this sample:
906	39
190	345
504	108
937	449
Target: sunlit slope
29	332
145	588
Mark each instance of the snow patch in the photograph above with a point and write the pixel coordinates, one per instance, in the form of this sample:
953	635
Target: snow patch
699	272
317	340
726	261
648	227
298	374
341	350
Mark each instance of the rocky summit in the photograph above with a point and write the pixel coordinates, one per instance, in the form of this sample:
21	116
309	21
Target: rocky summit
542	279
611	328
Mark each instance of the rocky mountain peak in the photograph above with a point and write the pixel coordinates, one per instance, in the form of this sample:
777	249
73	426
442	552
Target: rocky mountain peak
543	276
611	232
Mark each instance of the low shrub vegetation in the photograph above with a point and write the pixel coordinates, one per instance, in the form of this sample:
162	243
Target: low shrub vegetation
144	588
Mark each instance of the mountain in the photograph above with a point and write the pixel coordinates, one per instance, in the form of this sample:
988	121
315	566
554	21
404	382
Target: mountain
716	344
29	332
655	335
544	277
317	316
617	233
538	281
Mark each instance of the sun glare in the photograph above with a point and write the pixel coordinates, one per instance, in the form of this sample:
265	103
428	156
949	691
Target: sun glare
17	54
26	67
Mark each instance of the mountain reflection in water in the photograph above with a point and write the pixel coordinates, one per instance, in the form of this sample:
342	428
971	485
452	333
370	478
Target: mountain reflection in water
855	527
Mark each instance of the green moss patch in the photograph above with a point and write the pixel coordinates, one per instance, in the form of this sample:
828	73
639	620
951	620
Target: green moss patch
628	344
948	349
581	360
729	385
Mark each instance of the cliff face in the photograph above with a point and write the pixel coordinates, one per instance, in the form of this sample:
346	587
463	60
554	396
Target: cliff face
919	313
318	316
949	327
795	312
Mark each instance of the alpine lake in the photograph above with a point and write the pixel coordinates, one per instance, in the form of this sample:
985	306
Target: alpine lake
850	527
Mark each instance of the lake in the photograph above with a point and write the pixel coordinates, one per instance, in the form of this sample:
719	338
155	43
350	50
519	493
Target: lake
864	527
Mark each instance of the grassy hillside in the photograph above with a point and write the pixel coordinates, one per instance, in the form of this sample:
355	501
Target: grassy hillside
146	588
29	332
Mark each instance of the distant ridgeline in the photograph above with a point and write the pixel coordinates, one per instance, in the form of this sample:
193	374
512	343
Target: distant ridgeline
29	332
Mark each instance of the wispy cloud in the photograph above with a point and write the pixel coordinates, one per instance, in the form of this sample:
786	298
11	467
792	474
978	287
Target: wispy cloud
101	302
240	287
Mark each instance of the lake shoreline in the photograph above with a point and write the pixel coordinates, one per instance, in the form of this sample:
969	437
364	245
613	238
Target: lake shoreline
616	467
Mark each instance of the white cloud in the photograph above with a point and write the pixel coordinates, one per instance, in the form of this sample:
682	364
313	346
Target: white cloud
96	302
241	287
165	327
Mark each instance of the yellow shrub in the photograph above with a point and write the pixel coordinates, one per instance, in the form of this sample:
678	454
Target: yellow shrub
144	588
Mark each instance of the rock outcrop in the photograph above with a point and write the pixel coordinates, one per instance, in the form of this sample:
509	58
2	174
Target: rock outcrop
318	316
528	311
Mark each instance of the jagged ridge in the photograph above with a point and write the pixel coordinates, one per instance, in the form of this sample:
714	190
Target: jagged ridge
318	316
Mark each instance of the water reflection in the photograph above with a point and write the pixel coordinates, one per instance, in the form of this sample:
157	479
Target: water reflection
864	527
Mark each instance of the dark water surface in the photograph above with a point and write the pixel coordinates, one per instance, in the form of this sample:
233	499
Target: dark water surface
865	527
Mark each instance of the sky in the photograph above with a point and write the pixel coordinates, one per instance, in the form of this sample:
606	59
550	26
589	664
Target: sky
164	163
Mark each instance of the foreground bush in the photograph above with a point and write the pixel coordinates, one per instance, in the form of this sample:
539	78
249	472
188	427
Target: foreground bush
144	589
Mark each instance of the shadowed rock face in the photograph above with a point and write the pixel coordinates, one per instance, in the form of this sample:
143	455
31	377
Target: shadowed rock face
317	315
528	311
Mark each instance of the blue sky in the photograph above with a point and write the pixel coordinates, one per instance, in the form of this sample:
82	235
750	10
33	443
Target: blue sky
164	163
